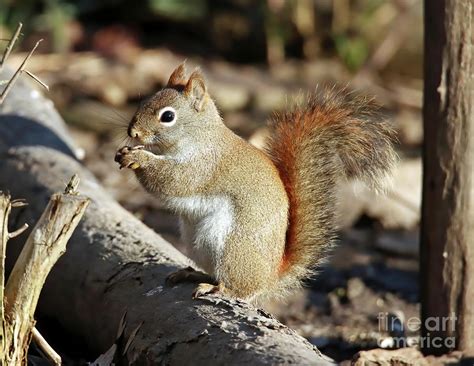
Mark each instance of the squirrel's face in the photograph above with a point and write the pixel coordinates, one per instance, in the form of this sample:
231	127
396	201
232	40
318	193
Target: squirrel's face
174	114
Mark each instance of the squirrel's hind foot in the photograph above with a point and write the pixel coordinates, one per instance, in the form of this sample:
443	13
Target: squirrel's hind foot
188	274
204	289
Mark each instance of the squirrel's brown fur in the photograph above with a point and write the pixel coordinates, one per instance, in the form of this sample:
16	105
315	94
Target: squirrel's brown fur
333	135
257	222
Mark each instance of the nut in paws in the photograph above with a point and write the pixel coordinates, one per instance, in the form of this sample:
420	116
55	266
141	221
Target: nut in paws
127	157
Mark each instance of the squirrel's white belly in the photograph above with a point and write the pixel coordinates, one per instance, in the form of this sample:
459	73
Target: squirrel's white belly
205	223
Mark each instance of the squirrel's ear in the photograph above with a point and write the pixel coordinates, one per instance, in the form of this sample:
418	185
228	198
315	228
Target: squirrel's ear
196	89
178	77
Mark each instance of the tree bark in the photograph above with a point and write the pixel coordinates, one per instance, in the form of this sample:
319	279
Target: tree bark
114	263
447	247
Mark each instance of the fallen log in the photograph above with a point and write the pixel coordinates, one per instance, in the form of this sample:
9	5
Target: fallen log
115	264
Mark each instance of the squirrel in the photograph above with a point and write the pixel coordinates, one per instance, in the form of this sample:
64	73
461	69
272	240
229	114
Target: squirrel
258	222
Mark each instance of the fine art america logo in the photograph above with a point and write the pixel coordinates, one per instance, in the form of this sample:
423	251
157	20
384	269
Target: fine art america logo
397	327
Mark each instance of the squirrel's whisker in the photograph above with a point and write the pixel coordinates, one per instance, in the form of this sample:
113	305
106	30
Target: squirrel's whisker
121	117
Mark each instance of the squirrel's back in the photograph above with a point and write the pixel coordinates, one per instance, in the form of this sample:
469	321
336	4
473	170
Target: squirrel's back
334	135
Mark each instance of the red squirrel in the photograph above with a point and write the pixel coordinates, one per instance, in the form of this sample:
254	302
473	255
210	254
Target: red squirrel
258	222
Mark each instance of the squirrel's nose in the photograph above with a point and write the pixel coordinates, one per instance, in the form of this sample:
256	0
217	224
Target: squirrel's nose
132	132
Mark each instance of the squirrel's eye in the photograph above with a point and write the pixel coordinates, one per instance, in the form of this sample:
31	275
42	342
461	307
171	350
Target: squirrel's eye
167	116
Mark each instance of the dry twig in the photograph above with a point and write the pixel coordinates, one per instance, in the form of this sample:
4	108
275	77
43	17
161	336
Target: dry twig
45	244
10	45
46	348
5	208
18	73
18	231
37	79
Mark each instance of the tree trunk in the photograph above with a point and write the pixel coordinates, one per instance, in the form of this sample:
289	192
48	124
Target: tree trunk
115	264
447	234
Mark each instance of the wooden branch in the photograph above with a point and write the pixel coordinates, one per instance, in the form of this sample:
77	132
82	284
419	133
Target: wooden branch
10	45
46	348
19	202
37	79
5	207
114	263
18	72
18	231
46	243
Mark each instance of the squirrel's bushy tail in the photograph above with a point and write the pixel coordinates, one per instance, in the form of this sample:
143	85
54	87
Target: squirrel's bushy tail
334	135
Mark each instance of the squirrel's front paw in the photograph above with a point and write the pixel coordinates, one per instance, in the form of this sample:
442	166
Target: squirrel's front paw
128	157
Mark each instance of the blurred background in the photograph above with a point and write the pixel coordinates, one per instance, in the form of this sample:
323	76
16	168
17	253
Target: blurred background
101	58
